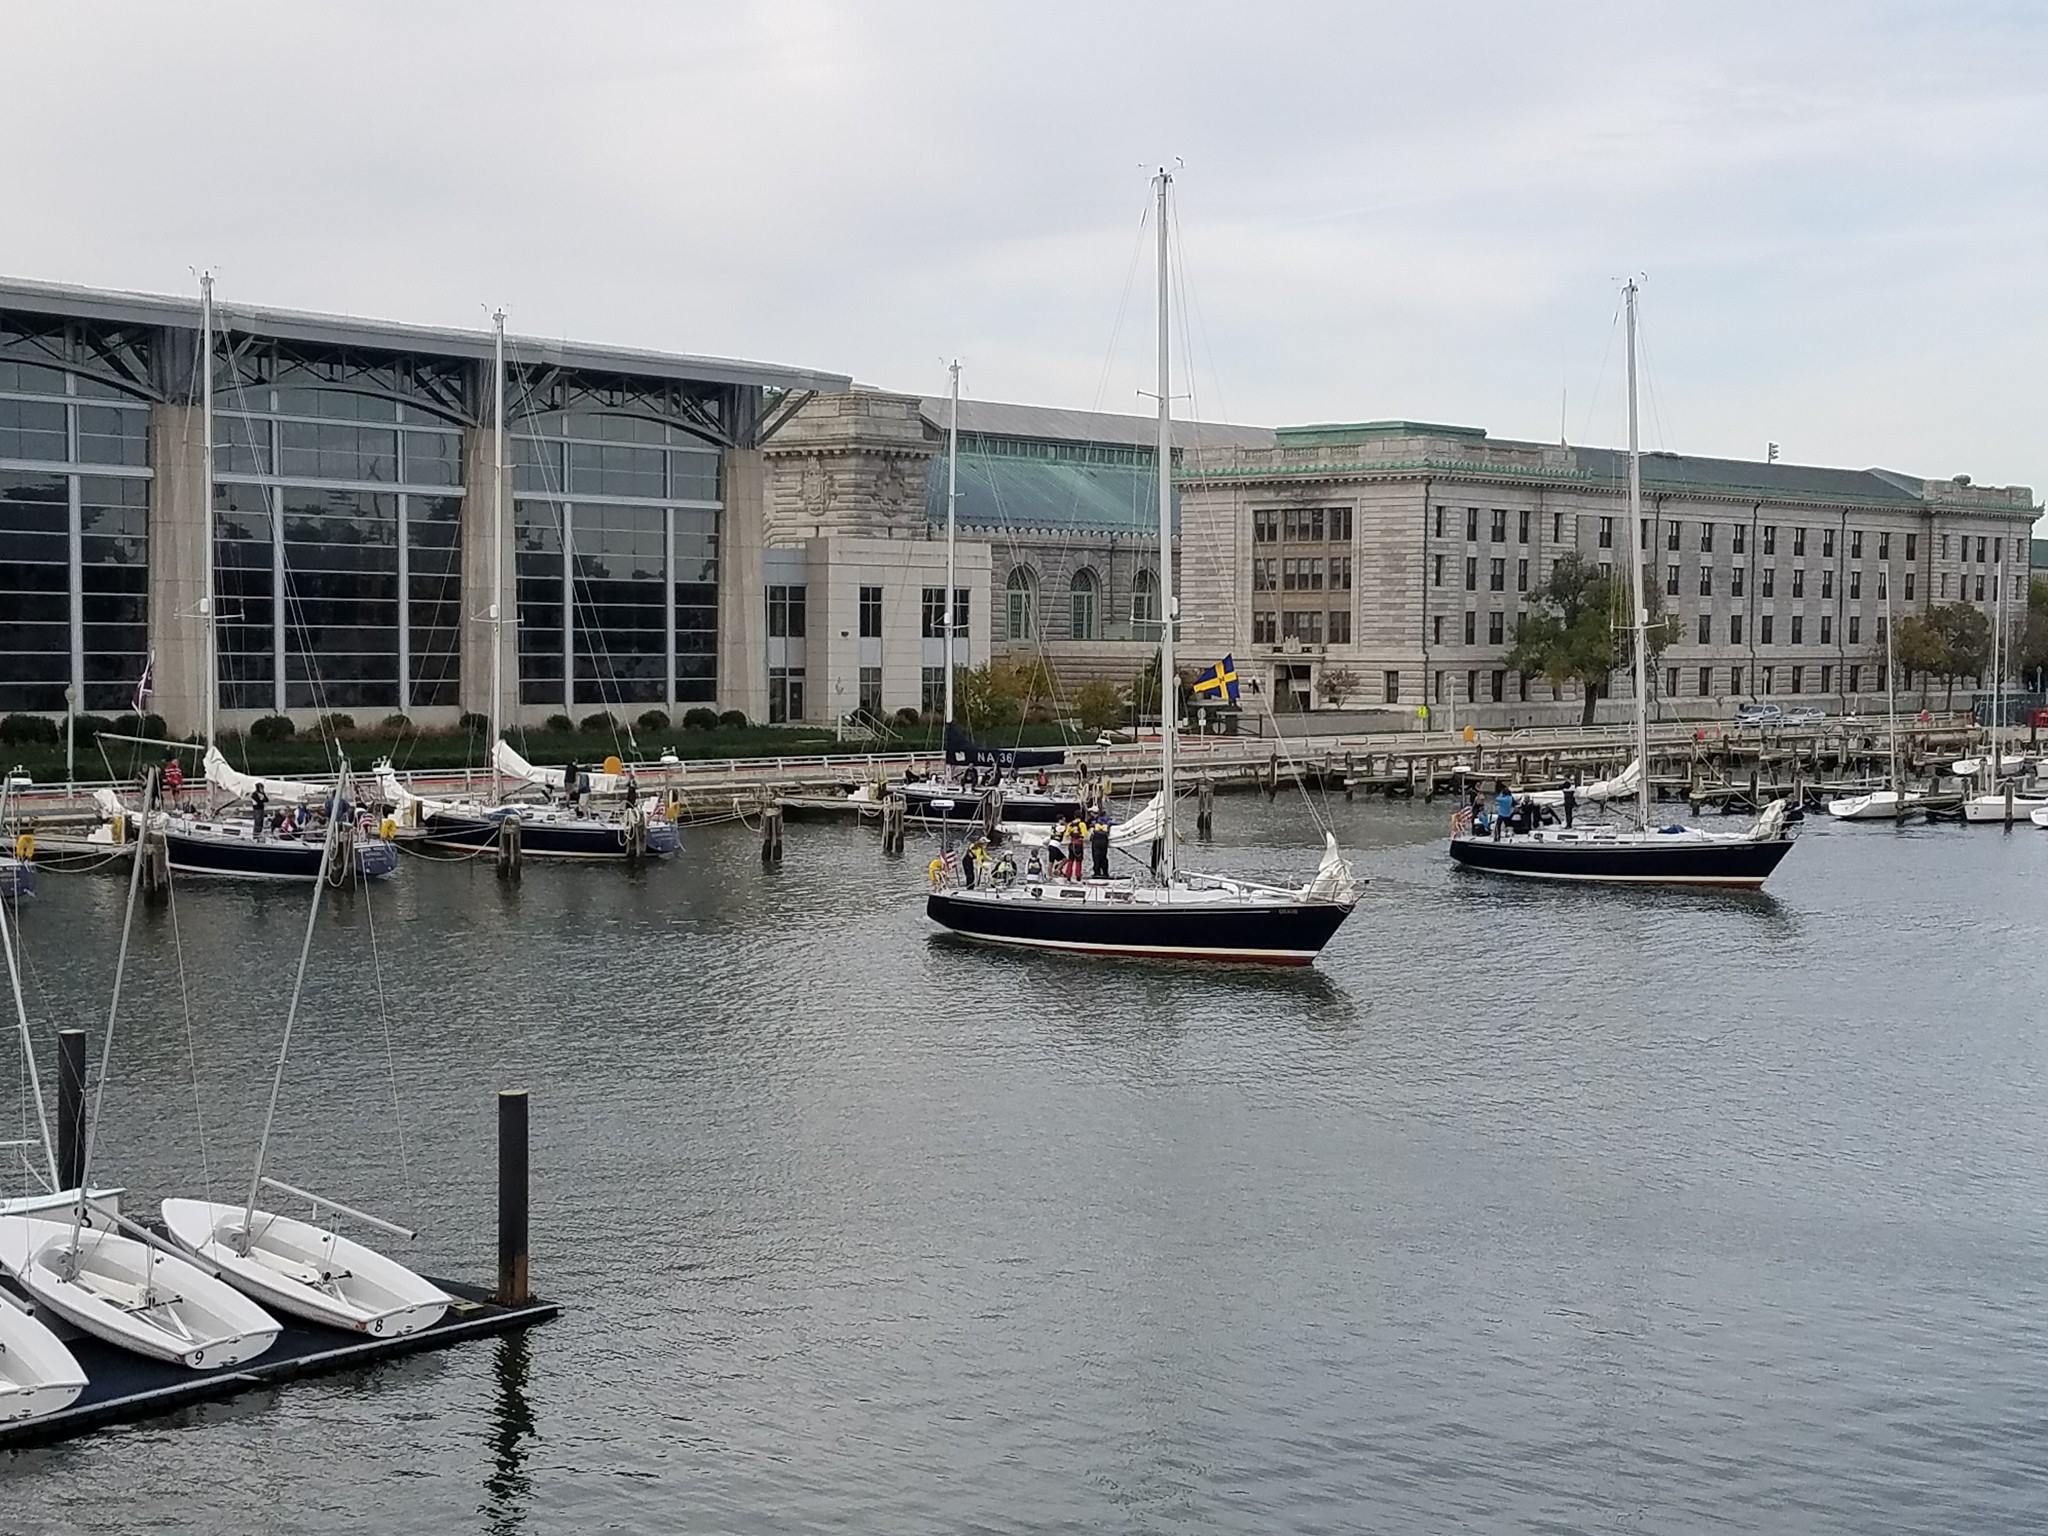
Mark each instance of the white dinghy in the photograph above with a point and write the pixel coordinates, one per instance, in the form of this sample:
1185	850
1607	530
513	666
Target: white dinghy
306	1270
38	1375
294	1265
1876	805
133	1294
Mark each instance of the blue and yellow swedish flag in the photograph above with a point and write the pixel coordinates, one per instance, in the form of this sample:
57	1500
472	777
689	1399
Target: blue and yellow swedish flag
1220	681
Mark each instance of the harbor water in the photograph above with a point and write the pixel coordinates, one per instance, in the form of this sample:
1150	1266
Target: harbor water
1530	1209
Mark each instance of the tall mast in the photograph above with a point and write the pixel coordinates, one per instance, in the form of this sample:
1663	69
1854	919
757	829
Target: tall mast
212	685
1639	615
952	502
1168	683
28	1044
497	542
1891	686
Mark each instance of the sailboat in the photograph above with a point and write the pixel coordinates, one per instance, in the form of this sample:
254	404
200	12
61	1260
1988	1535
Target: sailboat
38	1374
103	1274
962	794
299	1267
546	831
1894	800
1637	852
2012	801
204	843
1180	915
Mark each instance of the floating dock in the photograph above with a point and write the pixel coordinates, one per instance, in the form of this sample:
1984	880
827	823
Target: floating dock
122	1387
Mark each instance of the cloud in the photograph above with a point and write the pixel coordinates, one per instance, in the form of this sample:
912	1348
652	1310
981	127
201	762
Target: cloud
1386	211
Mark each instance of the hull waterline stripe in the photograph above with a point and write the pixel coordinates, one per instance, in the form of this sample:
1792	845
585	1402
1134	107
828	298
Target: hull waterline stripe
1149	951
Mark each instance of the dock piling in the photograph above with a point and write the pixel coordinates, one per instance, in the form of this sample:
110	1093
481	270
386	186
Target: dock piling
70	1108
512	1191
771	834
509	855
892	825
1205	807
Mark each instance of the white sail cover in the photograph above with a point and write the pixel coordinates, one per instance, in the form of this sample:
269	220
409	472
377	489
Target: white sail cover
1142	825
513	766
1620	787
1334	880
1770	825
223	776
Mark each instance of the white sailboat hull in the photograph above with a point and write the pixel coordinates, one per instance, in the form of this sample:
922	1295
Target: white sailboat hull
1878	805
306	1270
38	1375
135	1296
1986	809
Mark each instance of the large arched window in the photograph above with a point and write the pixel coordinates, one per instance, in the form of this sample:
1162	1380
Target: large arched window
1145	599
1082	594
1022	592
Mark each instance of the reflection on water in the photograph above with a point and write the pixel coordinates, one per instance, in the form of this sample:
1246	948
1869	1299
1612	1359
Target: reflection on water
1529	1209
508	1489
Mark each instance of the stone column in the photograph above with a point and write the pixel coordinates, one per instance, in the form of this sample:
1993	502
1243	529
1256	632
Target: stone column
742	599
177	568
478	590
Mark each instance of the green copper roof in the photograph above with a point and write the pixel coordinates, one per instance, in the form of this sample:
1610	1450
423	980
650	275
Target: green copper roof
1331	434
1002	491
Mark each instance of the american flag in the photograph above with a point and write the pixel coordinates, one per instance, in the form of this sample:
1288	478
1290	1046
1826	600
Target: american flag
1461	821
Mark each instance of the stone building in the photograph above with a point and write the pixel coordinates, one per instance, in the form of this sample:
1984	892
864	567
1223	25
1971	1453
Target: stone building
1395	559
1061	504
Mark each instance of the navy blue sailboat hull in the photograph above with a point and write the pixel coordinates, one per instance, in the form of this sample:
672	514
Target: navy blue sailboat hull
1672	861
549	839
275	858
1248	932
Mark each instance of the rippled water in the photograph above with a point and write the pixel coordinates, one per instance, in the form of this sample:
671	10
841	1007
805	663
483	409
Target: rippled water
1530	1210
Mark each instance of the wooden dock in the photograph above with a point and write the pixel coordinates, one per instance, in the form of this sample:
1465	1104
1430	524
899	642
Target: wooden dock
122	1387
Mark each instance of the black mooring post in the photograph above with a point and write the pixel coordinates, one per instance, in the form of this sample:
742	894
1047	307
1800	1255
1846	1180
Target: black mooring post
512	1267
70	1107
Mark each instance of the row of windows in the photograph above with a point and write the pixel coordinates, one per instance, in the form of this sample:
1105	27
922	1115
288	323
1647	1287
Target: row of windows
65	432
1706	682
47	601
1310	626
1497	525
1304	525
598	594
555	467
310	588
328	450
1084	603
1272	574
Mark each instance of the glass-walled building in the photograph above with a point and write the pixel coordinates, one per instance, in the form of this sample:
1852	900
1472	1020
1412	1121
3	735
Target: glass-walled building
74	528
352	537
337	527
617	526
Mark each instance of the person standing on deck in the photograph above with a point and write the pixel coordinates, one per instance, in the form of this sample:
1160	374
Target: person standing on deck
1098	845
1077	835
1503	807
1571	798
174	776
258	804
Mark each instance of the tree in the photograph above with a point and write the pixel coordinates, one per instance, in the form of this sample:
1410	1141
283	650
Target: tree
1338	684
1966	640
1576	630
1145	689
2033	640
1918	645
1098	705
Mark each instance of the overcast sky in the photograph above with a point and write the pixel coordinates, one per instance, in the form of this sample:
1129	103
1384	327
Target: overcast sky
1387	210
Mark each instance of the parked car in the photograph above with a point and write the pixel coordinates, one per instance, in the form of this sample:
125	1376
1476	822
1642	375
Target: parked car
1805	714
1760	714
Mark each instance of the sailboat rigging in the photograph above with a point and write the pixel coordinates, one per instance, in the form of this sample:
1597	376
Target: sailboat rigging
293	1265
1179	915
244	847
1894	800
103	1274
547	831
1636	853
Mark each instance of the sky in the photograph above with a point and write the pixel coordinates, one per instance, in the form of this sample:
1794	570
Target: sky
1840	211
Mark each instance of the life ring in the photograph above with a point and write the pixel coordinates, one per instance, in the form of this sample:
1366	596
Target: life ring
25	847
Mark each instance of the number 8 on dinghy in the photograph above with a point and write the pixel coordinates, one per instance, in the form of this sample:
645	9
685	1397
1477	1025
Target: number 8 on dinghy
305	1269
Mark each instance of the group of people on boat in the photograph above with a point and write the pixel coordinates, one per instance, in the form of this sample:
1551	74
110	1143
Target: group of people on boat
1505	812
1073	851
